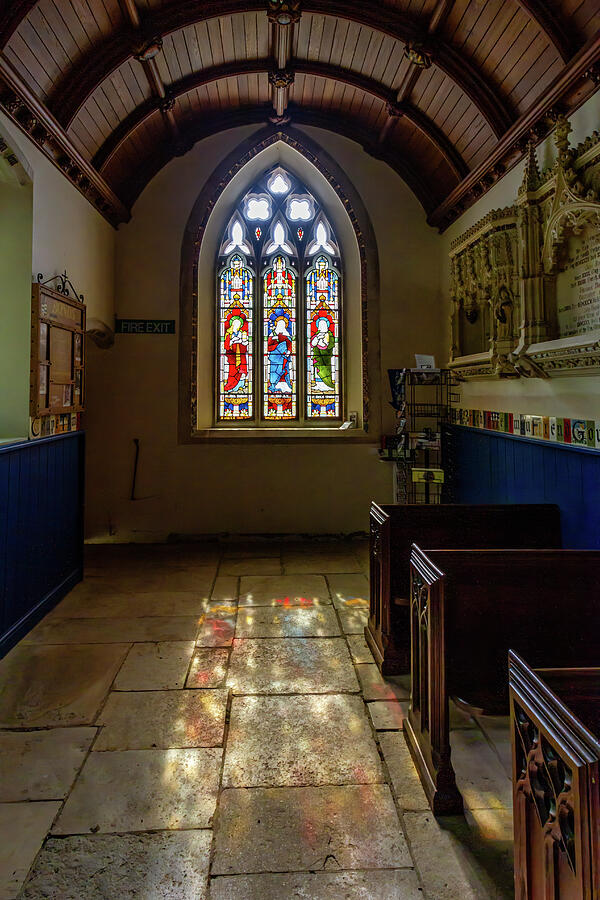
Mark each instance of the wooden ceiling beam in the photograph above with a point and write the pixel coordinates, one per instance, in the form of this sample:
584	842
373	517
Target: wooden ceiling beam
439	15
79	82
453	63
395	110
151	47
21	105
12	13
304	67
177	89
130	12
542	15
584	65
282	37
214	123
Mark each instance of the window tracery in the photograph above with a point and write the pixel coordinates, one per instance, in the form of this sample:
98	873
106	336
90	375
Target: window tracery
280	351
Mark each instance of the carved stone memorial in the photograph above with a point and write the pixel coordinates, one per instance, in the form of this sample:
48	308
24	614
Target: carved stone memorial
525	280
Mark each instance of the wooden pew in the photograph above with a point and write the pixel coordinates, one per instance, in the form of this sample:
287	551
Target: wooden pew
394	528
468	607
555	717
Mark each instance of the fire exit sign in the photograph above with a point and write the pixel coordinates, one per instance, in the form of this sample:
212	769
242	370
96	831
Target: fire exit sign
144	326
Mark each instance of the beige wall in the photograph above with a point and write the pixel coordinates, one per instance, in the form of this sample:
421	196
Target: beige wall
68	233
246	487
572	396
47	229
16	216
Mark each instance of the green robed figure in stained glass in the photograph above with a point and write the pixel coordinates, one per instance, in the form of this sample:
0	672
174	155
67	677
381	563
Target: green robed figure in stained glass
322	343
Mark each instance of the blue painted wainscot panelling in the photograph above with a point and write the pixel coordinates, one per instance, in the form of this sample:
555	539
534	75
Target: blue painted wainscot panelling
492	467
41	529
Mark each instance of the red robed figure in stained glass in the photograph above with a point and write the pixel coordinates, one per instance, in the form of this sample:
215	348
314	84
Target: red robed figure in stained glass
236	351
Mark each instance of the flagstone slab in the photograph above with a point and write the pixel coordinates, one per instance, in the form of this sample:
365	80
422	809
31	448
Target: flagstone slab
388	715
449	865
41	765
155	666
23	827
42	686
148	579
130	606
217	625
138	720
308	828
225	589
208	668
300	740
295	562
251	549
404	777
284	591
389	884
290	666
270	621
114	630
143	790
166	866
375	687
359	649
349	591
252	566
480	775
353	621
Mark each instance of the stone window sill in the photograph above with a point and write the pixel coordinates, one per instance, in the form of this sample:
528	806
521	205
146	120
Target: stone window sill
282	435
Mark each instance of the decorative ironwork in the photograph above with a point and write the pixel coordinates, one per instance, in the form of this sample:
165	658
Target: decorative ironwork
416	53
283	12
281	78
150	49
394	110
64	285
167	103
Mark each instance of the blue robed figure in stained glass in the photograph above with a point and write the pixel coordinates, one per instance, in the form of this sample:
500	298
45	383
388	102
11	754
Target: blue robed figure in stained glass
279	348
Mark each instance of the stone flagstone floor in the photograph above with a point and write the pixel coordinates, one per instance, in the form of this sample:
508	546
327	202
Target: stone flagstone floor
200	721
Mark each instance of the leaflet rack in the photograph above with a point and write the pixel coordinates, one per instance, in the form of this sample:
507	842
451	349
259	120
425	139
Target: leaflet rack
421	398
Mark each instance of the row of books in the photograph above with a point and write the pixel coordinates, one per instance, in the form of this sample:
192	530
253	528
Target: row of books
581	432
46	426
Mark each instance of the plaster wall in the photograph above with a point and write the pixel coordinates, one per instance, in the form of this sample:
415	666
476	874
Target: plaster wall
68	233
247	486
16	216
45	227
572	396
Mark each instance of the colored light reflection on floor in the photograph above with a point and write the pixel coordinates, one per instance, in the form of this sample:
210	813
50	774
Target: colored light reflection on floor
299	736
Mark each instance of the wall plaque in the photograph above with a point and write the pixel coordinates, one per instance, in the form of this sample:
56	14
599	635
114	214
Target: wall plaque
578	285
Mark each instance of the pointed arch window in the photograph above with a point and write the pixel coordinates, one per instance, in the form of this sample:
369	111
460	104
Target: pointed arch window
280	354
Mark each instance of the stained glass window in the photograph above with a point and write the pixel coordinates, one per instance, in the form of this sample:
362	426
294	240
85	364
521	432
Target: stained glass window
235	341
279	350
322	341
280	347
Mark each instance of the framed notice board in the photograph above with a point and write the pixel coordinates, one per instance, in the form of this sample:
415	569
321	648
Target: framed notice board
57	358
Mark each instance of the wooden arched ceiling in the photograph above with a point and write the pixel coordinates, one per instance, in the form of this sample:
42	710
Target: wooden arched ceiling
114	88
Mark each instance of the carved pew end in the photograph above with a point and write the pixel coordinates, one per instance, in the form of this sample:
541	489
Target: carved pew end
442	793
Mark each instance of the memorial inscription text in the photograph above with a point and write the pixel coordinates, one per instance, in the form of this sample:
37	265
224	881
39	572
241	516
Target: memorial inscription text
578	285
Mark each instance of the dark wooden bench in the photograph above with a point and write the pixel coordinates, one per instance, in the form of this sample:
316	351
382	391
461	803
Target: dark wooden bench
394	528
468	607
555	717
